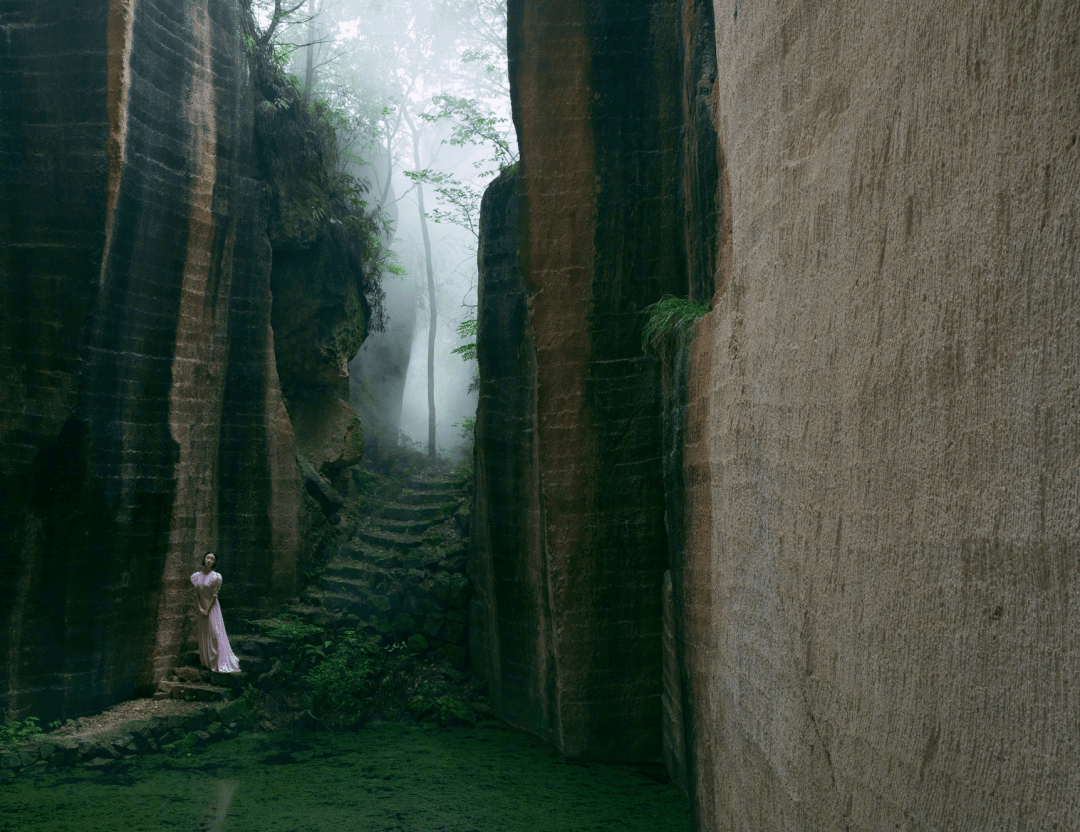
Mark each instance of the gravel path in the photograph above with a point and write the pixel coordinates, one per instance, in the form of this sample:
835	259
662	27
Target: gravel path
87	726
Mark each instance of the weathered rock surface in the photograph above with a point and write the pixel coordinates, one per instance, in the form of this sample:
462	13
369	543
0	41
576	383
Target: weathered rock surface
141	419
378	371
571	585
871	621
881	449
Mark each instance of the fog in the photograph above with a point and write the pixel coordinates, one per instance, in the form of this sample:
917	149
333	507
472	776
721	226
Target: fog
415	86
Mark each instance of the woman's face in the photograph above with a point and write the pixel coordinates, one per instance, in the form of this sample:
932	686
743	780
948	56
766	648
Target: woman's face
209	561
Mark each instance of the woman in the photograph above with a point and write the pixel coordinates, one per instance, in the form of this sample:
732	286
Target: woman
214	650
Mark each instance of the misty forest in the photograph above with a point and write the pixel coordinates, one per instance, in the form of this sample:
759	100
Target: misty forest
563	415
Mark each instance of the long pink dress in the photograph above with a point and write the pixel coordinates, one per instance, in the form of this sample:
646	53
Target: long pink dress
214	650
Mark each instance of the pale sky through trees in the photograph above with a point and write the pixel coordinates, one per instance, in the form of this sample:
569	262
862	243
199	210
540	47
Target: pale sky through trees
382	64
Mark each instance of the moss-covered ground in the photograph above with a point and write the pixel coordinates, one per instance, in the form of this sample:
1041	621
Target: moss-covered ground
382	778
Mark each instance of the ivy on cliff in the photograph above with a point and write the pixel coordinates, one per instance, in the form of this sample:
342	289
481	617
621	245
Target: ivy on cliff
309	193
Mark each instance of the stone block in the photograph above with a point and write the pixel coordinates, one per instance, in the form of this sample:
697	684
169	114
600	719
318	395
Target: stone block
380	603
405	623
432	625
455	654
452	632
417	643
232	711
440	589
459	592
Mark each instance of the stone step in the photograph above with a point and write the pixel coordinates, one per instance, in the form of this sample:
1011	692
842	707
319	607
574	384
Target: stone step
253	665
398	542
387	524
397	511
354	570
192	691
427	498
337	603
437	484
346	586
231	680
255	645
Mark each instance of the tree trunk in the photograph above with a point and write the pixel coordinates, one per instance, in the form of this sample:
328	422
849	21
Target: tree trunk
309	68
431	302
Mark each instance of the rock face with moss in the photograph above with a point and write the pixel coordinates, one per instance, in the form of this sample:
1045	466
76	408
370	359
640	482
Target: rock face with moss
141	414
870	616
569	479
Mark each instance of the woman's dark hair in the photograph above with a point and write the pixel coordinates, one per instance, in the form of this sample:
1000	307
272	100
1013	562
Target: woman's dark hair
211	552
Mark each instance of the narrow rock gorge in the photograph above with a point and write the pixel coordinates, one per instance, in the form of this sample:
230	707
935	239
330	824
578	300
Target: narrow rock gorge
819	557
824	558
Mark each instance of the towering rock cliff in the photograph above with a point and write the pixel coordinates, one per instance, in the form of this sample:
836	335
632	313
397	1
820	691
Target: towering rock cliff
872	611
569	572
141	416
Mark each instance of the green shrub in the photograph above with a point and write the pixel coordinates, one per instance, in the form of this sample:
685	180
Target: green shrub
16	732
453	710
286	627
342	682
668	323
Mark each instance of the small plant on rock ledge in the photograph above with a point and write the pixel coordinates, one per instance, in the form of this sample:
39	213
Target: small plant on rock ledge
668	324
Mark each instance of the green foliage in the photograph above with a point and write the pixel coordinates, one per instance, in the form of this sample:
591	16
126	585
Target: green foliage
467	329
309	193
467	427
668	324
474	123
433	537
454	710
345	676
286	627
16	732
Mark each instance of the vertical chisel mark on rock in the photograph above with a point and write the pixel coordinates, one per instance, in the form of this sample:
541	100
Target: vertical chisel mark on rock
195	396
121	20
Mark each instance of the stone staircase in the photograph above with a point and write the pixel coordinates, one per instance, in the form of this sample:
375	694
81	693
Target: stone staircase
191	682
400	576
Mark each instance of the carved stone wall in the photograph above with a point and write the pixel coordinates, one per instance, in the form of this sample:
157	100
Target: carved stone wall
871	504
882	434
572	633
141	420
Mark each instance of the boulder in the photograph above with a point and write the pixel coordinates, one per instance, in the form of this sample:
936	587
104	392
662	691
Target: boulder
328	432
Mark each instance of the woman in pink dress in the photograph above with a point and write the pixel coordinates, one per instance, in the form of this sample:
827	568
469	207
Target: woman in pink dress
214	650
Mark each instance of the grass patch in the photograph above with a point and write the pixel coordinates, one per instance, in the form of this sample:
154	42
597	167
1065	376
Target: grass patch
668	324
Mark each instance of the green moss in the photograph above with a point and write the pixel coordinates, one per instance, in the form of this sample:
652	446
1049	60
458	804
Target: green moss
388	777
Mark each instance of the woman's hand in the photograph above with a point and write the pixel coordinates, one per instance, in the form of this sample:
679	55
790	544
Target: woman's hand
204	612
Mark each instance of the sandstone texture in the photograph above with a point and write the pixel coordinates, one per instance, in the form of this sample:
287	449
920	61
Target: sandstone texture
870	618
882	432
571	586
141	418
